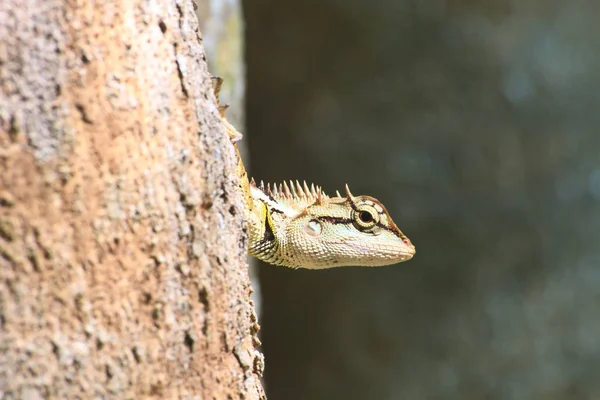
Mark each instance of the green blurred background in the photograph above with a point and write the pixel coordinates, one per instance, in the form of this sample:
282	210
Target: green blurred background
476	124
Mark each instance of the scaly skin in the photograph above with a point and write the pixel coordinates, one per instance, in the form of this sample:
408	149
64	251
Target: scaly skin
301	227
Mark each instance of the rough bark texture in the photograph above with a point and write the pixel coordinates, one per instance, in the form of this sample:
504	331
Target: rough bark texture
122	257
476	123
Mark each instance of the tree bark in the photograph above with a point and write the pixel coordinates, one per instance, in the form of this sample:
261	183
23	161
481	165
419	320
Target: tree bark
122	253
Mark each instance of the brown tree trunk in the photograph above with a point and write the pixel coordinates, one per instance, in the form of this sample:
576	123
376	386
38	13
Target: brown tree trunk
122	257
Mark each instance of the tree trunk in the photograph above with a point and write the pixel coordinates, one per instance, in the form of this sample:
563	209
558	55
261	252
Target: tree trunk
122	254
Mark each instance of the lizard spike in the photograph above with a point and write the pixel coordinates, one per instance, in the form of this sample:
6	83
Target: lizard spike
337	193
253	182
348	194
275	191
306	190
313	191
262	186
299	190
293	189
319	196
286	189
217	81
269	192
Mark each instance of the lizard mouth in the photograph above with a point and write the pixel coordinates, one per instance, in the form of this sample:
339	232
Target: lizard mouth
383	253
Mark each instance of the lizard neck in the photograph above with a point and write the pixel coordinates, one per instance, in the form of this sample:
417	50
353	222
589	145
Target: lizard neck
267	219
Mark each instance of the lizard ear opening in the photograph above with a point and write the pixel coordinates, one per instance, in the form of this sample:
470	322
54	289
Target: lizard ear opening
313	228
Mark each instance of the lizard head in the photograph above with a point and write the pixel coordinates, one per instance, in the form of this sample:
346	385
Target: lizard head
326	232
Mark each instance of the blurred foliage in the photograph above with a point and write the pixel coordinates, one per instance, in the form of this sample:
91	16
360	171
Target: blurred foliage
221	24
476	123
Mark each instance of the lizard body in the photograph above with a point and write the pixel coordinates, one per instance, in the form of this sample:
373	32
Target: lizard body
298	226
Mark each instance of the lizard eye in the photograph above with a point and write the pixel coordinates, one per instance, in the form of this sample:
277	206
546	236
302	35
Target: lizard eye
366	217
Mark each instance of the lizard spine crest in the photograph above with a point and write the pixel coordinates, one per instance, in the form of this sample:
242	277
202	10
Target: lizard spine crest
294	193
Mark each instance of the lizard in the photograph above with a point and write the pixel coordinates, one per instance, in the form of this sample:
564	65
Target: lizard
299	226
